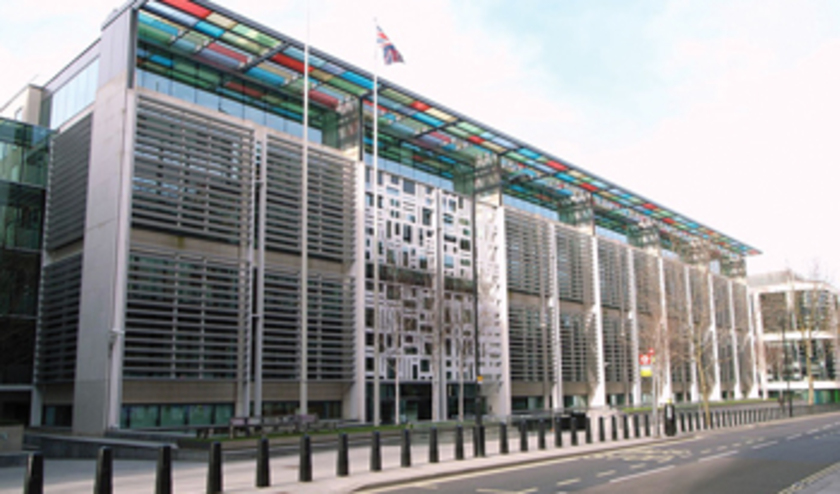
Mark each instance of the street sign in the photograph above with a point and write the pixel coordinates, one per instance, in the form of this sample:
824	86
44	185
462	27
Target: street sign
644	359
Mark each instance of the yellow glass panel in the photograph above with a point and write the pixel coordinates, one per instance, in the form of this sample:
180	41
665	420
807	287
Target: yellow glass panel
221	20
440	115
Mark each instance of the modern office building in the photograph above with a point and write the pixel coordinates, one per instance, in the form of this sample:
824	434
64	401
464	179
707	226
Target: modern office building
182	217
794	313
24	155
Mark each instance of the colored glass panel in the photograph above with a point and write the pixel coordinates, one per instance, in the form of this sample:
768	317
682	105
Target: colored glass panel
189	7
247	45
209	29
256	36
220	20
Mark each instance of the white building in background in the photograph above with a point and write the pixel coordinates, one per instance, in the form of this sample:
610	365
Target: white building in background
791	311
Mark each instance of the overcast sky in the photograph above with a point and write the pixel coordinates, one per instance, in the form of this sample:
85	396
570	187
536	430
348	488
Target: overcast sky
726	111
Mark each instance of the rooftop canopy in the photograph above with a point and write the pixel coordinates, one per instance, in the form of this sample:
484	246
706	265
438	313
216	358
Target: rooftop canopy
227	40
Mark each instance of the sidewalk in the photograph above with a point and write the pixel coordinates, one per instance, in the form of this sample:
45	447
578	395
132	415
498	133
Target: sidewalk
137	476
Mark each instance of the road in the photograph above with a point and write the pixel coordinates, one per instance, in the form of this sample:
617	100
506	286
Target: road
763	458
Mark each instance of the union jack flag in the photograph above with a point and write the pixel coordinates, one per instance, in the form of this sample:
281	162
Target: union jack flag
388	49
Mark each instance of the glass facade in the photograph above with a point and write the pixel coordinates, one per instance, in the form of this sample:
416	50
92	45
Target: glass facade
24	152
75	95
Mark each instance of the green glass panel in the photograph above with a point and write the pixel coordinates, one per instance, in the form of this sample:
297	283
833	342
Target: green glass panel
255	35
346	86
148	33
247	45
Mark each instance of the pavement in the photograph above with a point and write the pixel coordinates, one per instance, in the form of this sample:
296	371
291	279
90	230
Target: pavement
137	476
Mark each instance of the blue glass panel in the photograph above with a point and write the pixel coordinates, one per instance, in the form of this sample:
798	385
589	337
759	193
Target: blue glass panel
426	119
528	153
209	29
357	79
218	58
332	69
161	60
266	76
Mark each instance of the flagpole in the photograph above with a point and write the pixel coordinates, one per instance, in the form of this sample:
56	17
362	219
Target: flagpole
377	419
304	234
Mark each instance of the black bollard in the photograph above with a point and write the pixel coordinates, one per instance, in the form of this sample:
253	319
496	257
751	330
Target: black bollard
614	430
625	423
523	436
263	470
558	432
375	452
541	434
481	441
342	462
214	469
601	433
504	447
433	445
690	420
588	432
104	482
682	422
305	465
163	474
405	449
636	426
647	425
459	442
476	438
33	482
573	422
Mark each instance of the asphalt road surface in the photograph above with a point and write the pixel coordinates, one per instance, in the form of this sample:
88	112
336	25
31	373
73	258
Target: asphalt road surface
762	458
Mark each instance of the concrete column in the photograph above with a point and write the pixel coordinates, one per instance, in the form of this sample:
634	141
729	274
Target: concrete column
666	354
715	395
753	342
98	386
501	401
355	401
598	397
634	328
736	362
554	326
695	385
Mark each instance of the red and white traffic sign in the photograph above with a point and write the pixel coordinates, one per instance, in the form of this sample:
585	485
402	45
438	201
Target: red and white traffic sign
644	359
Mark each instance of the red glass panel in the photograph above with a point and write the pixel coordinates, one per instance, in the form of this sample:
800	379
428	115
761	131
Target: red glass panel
589	187
475	139
324	99
289	62
670	221
419	105
649	206
557	166
227	52
244	89
189	7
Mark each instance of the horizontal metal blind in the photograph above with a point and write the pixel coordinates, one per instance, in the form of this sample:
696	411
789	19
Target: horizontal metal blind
331	201
577	347
574	261
192	174
612	268
331	326
527	253
59	320
184	315
527	349
618	354
67	195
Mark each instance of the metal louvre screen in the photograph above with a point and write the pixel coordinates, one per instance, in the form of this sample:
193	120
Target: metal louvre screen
192	174
574	260
59	320
578	348
527	253
530	348
647	284
721	291
331	204
184	315
67	200
618	354
742	330
331	326
612	267
679	329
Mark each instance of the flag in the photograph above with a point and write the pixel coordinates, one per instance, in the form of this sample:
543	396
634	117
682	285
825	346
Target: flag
389	51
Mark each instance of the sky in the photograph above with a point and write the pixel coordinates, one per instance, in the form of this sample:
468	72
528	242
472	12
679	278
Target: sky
726	111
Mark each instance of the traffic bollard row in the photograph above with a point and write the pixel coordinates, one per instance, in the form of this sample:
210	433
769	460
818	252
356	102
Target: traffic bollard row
33	482
214	469
433	445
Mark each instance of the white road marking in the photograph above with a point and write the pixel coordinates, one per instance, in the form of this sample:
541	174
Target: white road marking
606	473
715	457
707	450
795	436
567	482
637	466
641	474
764	445
813	431
722	448
500	491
